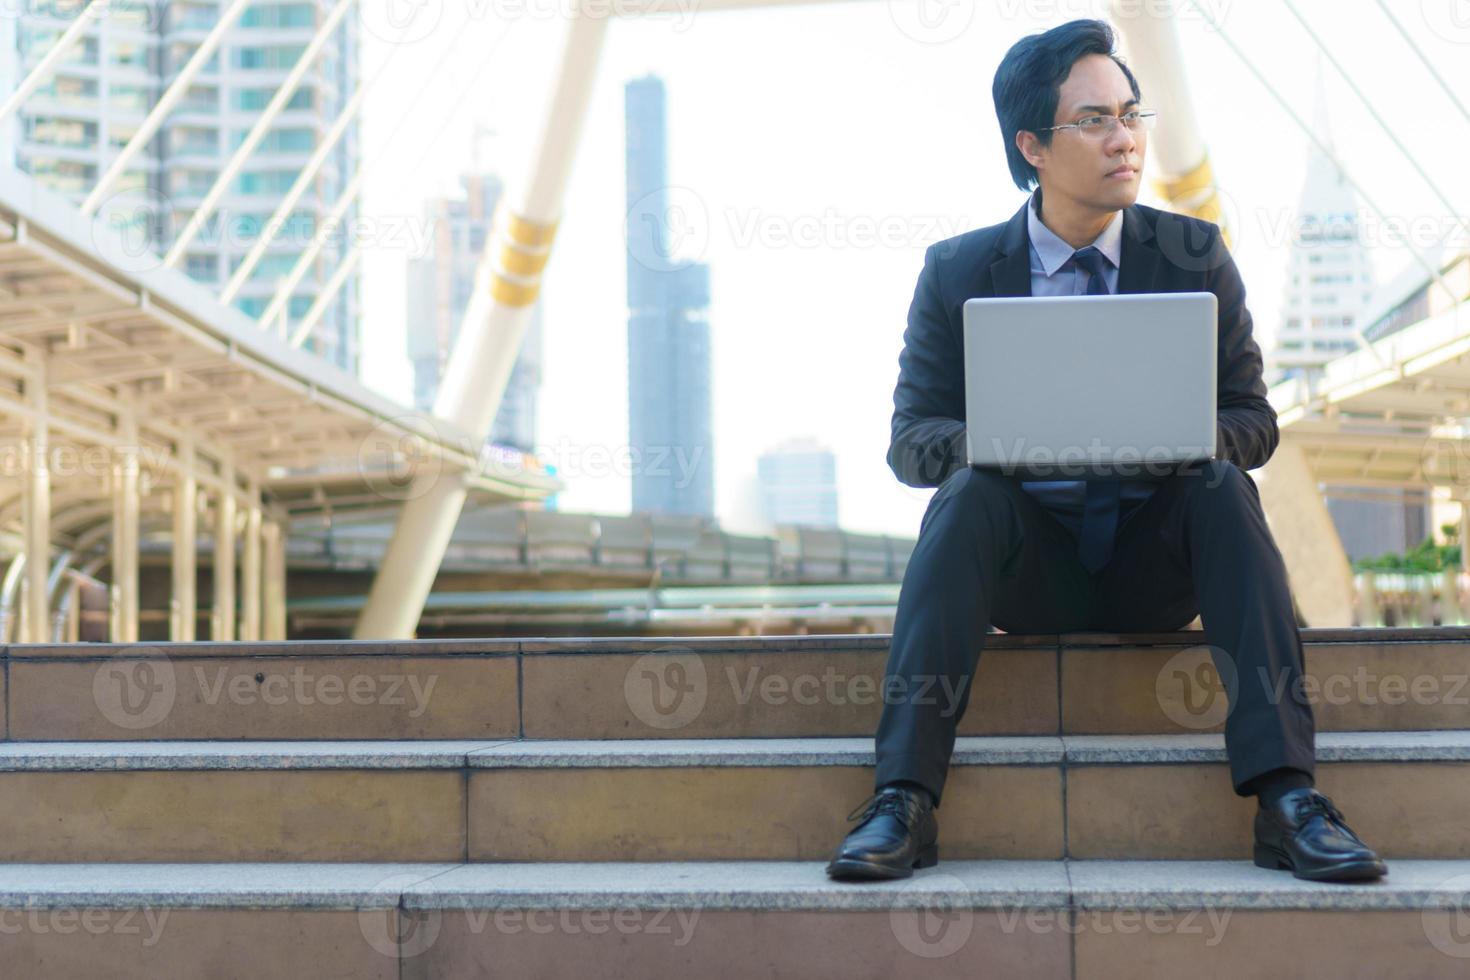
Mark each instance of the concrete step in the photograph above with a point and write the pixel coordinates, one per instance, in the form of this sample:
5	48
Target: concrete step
1063	919
718	687
1026	797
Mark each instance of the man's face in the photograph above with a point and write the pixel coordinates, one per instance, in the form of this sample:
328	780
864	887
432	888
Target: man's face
1086	168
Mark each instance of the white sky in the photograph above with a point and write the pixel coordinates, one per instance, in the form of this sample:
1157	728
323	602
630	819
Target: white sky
821	149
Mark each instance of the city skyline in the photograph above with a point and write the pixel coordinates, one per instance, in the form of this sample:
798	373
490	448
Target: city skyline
817	215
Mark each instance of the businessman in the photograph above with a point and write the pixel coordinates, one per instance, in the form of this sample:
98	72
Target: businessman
1145	553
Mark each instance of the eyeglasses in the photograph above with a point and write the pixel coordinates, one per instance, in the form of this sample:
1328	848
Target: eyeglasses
1101	127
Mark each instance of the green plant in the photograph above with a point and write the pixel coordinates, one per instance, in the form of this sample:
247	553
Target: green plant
1426	556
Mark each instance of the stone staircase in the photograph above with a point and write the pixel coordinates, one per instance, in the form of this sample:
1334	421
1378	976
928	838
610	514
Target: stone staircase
654	808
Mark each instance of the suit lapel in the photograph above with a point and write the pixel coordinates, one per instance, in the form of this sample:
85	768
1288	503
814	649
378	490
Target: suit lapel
1140	265
1010	273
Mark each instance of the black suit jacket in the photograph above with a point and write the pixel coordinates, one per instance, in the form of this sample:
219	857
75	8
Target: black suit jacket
1163	252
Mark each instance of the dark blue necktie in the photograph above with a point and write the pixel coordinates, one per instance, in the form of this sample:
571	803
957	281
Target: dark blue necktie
1100	514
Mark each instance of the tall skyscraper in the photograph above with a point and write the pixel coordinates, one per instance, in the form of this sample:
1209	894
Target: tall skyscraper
798	481
1329	278
669	402
70	130
439	287
1329	284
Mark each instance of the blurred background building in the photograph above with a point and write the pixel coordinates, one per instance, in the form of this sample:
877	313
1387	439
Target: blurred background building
70	129
670	410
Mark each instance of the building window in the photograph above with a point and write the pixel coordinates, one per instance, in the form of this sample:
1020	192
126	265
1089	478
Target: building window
204	268
252	99
284	15
278	57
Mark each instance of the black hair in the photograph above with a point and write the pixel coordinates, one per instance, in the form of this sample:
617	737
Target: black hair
1027	82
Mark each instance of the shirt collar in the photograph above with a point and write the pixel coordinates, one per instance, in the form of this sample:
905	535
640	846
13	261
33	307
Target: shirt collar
1054	252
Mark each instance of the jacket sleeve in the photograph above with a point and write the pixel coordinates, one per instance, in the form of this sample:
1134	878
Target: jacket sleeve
928	433
1245	422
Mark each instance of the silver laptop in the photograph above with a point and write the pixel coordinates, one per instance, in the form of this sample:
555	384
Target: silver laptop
1081	387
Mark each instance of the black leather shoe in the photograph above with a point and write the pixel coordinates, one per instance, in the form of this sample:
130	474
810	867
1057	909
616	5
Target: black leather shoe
1302	832
898	833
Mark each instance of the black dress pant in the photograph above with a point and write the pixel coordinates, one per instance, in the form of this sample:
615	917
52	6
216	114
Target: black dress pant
989	553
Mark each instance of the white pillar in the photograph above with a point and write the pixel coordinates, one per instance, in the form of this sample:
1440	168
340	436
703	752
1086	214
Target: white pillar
250	568
273	584
1369	611
1321	575
72	625
183	606
36	507
1464	532
123	595
506	284
1149	37
1449	606
222	626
